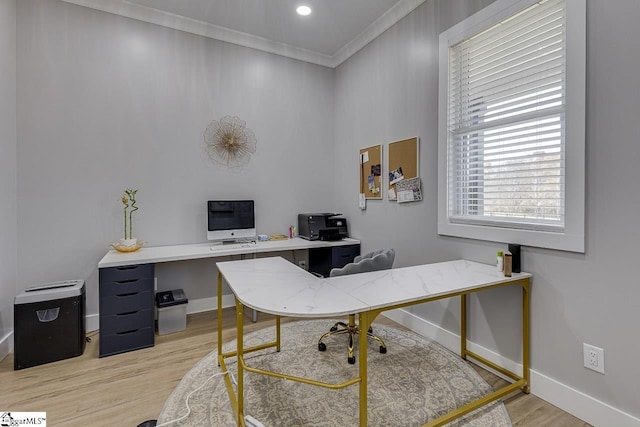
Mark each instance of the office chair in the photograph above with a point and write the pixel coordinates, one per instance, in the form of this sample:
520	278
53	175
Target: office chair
372	261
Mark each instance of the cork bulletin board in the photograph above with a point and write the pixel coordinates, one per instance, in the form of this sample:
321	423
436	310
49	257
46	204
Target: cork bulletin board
371	172
403	163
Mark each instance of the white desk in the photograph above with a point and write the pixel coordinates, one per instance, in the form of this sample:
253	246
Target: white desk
149	255
275	286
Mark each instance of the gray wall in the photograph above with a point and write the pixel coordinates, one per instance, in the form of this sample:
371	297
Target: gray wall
8	173
388	91
107	103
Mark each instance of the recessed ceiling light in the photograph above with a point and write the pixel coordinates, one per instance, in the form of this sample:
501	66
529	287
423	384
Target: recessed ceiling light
303	10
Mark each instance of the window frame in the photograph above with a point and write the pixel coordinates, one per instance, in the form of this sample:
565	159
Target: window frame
571	238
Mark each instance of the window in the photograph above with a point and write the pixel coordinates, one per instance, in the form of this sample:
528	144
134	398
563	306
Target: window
511	125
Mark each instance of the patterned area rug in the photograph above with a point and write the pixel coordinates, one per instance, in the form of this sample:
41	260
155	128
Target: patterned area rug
414	382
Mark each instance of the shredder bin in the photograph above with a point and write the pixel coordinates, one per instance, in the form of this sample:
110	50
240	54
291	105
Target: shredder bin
172	311
49	323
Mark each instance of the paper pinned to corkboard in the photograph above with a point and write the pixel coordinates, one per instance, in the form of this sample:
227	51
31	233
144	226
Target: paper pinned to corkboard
403	163
409	190
370	165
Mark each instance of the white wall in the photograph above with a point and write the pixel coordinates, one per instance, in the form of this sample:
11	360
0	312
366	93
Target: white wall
8	174
388	91
107	103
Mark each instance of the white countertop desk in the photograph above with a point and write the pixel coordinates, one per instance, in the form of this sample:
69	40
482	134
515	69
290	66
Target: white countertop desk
155	254
275	286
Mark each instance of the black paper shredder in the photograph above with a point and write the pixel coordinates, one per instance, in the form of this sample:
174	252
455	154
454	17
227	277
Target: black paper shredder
49	323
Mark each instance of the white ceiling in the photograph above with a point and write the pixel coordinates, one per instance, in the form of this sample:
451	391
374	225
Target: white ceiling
334	31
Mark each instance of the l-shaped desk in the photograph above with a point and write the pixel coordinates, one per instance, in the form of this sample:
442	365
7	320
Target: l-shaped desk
275	286
126	282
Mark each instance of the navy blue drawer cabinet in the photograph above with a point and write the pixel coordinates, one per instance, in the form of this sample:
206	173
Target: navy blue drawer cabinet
126	308
322	260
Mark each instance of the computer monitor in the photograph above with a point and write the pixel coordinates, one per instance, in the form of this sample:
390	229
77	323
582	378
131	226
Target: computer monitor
231	220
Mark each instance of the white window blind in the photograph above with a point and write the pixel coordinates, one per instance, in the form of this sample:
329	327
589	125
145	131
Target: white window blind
506	122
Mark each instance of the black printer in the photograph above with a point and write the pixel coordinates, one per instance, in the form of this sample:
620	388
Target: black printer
322	226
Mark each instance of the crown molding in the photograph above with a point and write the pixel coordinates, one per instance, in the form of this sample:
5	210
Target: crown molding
379	26
205	29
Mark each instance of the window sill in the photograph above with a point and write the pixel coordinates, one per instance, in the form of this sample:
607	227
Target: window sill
568	240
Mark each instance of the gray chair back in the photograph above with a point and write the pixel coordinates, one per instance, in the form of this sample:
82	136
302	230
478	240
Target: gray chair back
372	261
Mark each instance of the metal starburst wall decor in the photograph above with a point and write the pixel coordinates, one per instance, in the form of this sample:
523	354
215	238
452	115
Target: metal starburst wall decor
229	142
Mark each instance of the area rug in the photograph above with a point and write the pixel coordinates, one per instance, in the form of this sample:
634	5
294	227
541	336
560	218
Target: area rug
414	382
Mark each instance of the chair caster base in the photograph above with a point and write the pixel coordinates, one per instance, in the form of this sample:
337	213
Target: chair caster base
351	360
333	329
383	350
322	346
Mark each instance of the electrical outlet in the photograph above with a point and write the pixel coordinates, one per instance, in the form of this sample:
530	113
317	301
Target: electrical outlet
593	357
303	264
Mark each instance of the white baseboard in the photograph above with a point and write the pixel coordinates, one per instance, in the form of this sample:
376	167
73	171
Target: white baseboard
92	322
568	399
209	304
193	306
6	345
581	405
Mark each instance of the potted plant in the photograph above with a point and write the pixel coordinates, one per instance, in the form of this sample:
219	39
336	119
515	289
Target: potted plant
129	202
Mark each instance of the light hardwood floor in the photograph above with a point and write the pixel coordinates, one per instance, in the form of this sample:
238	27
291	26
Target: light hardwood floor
130	388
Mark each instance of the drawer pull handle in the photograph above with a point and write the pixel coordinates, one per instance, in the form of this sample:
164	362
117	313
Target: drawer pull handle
127	267
126	281
127	332
128	295
127	313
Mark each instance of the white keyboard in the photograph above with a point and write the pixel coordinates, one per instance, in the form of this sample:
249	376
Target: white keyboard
230	246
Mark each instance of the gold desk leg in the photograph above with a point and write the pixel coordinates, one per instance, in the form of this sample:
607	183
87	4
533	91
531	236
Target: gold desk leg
240	349
526	302
364	323
463	326
278	333
219	326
